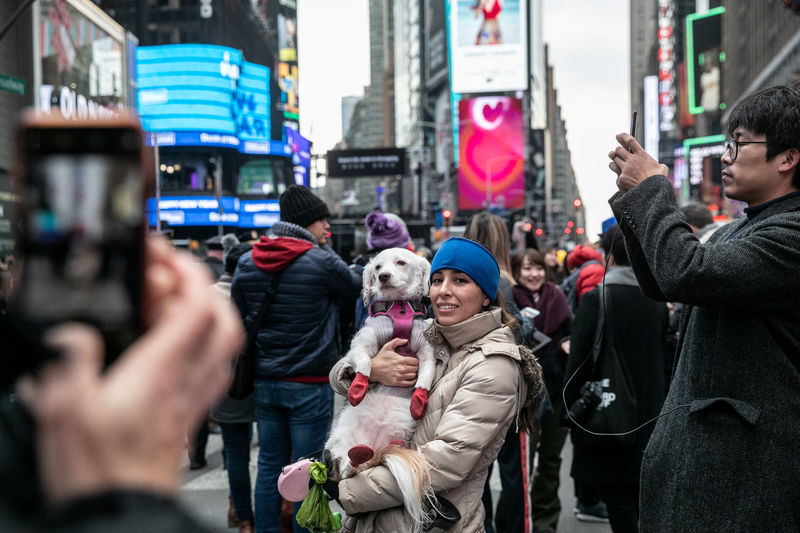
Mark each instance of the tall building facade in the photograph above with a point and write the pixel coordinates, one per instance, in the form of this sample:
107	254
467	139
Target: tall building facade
16	92
561	186
762	43
709	54
348	106
643	26
407	72
379	96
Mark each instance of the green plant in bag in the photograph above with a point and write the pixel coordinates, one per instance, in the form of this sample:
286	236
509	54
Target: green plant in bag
315	513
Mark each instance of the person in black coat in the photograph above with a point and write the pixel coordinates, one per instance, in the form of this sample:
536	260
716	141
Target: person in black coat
724	456
637	328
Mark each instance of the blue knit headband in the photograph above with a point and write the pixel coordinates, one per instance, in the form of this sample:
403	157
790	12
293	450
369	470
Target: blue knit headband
472	259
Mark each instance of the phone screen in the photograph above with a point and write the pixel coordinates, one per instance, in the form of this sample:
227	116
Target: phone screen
81	231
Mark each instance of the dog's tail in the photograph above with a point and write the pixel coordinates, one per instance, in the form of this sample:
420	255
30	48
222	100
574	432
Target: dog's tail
413	475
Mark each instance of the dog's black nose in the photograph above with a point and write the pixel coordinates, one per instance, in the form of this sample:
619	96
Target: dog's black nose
384	277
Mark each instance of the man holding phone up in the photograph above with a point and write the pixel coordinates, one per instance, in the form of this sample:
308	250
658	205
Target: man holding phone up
723	455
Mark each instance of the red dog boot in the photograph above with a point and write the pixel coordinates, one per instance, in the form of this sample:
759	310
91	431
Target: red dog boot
358	389
359	455
419	402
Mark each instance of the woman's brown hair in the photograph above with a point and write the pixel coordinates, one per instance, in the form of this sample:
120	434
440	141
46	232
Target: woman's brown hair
490	231
534	256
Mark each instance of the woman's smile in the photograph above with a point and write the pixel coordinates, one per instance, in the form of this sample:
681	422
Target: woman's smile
455	296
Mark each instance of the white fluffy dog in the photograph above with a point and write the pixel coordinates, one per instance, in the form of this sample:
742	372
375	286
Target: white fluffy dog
378	423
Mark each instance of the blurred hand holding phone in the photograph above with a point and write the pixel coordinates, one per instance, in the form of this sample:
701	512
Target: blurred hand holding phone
80	226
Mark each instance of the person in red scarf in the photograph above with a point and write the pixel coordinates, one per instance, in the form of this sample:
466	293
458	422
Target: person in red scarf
554	320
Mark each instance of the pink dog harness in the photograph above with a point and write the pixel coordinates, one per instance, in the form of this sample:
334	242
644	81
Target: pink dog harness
402	314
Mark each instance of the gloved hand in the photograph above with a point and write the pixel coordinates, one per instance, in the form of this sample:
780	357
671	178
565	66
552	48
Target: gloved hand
331	488
358	389
419	402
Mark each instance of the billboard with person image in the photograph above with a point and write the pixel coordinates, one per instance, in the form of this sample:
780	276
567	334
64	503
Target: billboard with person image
488	45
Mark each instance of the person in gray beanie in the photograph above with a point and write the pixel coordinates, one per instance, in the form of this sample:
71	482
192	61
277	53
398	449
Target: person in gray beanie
298	340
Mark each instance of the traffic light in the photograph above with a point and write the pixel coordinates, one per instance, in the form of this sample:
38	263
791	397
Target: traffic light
579	231
570	224
576	203
567	230
446	216
527	227
539	232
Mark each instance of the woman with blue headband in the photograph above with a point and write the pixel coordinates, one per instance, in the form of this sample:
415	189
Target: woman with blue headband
484	383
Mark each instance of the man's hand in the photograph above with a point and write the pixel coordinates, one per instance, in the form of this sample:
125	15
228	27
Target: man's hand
393	369
126	428
632	164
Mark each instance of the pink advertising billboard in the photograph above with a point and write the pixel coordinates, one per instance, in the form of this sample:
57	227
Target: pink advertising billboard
491	164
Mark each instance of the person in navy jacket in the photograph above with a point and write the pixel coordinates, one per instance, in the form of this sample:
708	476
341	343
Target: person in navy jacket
297	342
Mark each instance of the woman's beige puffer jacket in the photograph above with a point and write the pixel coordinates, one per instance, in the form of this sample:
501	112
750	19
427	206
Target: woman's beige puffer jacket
477	394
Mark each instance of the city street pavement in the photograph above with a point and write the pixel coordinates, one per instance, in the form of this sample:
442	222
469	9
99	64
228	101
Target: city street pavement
205	492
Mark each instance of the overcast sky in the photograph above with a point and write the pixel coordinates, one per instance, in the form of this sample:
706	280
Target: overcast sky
588	48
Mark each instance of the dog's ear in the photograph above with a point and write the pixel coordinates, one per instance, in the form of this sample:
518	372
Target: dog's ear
424	273
368	282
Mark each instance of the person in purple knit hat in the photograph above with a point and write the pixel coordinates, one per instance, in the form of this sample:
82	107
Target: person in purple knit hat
385	230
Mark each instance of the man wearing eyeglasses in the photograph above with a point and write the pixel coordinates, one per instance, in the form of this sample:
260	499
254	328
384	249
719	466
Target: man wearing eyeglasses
724	453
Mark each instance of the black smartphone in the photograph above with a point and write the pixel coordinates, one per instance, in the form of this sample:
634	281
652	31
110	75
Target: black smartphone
633	124
80	226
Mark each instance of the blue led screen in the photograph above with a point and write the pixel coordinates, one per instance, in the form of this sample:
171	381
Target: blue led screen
204	211
301	155
197	92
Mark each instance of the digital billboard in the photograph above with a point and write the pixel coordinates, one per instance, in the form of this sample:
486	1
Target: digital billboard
367	162
301	155
704	59
491	163
651	132
488	45
205	211
705	168
81	66
200	94
287	65
667	63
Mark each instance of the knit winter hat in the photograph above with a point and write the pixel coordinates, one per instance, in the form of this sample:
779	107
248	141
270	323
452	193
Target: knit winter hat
580	254
385	231
229	240
473	260
300	206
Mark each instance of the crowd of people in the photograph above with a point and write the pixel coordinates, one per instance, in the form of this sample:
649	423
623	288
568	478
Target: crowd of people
667	351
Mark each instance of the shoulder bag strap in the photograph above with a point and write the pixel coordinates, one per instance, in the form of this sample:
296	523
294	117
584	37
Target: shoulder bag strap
598	336
262	312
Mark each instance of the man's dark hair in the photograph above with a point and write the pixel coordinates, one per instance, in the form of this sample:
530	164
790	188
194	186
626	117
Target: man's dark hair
697	215
774	113
612	242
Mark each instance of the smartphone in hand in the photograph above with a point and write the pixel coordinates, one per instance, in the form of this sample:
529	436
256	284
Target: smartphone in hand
80	225
633	124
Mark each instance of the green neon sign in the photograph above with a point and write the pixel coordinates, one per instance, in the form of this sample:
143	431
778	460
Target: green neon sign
694	108
711	139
